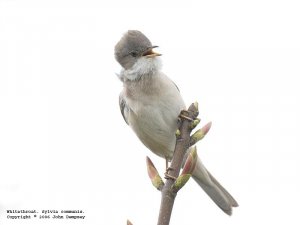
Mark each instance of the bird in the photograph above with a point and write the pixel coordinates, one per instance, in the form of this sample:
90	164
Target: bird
150	103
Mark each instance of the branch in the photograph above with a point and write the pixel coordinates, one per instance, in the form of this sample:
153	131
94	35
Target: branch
174	182
182	144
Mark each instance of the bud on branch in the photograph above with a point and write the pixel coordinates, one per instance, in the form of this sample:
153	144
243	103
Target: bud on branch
187	171
200	134
154	175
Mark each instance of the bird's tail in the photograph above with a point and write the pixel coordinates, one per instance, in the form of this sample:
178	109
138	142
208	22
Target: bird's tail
213	188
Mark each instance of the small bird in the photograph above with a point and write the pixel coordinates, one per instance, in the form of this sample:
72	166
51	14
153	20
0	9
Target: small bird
150	104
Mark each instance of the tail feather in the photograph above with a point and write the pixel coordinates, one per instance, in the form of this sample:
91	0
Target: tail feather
214	189
228	195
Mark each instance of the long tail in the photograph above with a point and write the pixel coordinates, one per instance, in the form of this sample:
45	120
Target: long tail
213	188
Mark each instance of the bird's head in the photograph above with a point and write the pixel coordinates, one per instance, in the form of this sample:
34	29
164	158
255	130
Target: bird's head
134	47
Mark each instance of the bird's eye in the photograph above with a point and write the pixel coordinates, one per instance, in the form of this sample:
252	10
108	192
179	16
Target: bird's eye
133	54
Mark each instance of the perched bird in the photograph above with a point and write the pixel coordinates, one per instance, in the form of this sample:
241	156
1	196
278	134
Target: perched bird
150	104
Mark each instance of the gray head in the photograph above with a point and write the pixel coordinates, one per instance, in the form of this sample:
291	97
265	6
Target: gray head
132	46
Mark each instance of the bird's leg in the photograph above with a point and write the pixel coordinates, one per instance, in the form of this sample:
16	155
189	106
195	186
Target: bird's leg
184	116
167	164
167	176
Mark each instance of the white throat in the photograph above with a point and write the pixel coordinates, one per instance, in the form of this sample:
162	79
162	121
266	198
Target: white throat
143	67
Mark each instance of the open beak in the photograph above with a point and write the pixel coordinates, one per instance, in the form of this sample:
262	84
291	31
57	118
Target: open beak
149	53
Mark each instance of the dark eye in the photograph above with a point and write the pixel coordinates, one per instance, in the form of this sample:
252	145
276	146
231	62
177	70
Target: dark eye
133	54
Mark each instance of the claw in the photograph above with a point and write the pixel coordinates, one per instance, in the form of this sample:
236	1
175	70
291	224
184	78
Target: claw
184	116
168	176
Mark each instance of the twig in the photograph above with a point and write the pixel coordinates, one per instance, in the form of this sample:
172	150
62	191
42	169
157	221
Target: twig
182	144
174	182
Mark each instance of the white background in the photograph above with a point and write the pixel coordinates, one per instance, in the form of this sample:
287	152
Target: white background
63	141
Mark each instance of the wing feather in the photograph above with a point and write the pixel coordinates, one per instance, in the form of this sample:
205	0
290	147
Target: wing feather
123	108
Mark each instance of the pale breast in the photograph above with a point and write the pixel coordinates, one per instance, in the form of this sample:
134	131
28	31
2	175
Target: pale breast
153	114
155	129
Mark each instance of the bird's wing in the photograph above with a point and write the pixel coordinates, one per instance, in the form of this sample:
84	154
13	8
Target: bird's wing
176	86
123	107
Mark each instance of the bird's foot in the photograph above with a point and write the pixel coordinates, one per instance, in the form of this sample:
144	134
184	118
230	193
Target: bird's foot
183	115
167	175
